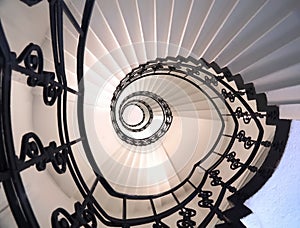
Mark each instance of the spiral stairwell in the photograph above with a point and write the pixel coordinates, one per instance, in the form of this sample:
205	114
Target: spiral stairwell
146	113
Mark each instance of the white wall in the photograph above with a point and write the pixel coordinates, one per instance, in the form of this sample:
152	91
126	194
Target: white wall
277	204
43	193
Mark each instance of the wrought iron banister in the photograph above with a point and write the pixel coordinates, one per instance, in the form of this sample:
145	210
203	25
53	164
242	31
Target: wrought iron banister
210	179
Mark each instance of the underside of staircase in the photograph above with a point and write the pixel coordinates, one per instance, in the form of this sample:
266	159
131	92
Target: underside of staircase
143	113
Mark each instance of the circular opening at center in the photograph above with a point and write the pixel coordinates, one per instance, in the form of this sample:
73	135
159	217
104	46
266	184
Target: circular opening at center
133	115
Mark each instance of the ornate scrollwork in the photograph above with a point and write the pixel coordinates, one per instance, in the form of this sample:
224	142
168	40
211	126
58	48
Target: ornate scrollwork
165	125
171	68
33	148
248	142
186	221
145	108
205	202
32	57
231	95
83	216
236	163
157	67
211	80
193	71
178	64
247	116
216	180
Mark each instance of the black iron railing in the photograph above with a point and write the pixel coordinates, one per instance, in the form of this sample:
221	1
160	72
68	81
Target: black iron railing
218	87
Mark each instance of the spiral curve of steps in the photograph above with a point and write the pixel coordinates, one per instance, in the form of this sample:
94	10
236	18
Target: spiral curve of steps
250	46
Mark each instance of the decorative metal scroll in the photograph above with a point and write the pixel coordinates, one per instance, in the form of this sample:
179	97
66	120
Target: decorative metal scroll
30	63
208	192
83	216
164	126
242	114
39	155
187	215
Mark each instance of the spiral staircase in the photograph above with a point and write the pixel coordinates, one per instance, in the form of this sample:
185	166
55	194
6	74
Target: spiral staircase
143	113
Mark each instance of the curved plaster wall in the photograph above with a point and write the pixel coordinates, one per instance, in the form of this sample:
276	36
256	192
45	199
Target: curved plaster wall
277	204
